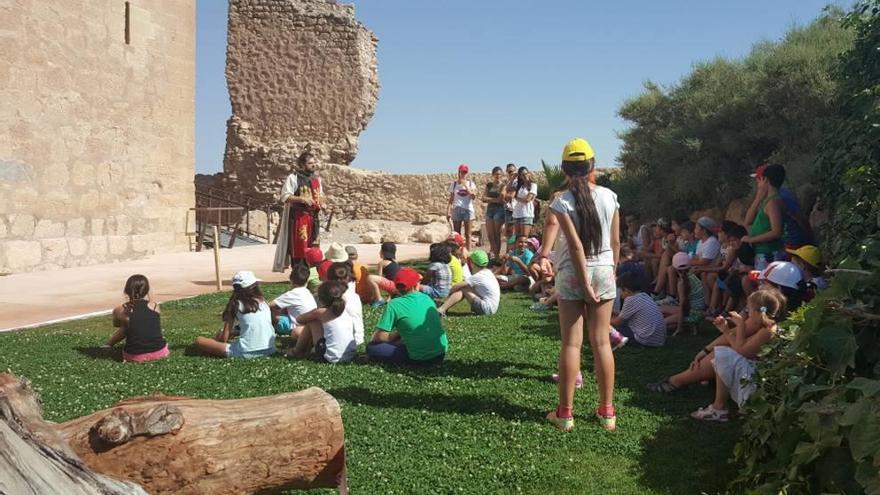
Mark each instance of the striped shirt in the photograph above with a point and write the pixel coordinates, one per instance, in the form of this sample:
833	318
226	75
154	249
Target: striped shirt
644	318
441	278
697	301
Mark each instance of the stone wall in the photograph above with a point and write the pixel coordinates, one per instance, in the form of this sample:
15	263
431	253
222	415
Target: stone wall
299	72
96	134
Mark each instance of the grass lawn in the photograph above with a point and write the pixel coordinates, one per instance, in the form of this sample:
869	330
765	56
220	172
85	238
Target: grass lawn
473	425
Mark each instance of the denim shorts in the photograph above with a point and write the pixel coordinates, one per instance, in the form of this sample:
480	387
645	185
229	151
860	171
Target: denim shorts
433	293
524	220
496	212
460	214
508	217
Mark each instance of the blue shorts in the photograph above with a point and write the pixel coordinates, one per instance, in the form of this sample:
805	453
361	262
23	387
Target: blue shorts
508	217
496	212
433	293
283	326
460	214
524	220
721	285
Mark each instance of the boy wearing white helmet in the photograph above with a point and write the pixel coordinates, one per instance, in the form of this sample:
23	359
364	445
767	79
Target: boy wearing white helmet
786	277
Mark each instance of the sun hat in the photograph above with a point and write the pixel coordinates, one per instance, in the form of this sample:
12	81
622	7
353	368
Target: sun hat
681	261
313	256
707	223
577	150
244	279
809	253
534	242
407	279
479	258
456	238
351	251
463	168
336	253
782	273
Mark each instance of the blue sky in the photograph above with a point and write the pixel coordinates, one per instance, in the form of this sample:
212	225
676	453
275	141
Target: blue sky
488	82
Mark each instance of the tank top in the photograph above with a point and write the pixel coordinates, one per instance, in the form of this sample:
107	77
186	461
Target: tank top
391	270
761	225
144	331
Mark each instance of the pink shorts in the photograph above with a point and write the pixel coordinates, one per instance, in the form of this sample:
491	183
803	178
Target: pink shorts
147	356
388	286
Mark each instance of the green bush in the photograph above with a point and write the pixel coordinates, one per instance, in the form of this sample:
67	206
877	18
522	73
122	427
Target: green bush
814	424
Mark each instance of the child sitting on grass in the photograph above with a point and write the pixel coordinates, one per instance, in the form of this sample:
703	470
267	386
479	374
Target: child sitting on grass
516	271
256	336
313	257
329	330
457	258
340	271
409	330
480	289
437	279
639	320
361	276
386	269
690	293
287	307
734	363
139	324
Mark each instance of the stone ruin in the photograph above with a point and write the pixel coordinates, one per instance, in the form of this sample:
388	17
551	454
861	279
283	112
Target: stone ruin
299	72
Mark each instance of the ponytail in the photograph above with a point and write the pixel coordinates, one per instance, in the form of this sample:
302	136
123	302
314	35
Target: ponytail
137	288
587	224
330	295
248	297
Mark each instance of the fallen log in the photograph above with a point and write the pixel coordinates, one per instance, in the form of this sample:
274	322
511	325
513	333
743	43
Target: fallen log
190	446
35	460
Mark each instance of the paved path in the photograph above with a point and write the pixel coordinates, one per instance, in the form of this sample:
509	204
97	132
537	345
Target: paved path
38	298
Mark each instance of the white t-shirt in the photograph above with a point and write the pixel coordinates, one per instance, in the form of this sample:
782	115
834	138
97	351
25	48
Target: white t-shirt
461	194
296	301
355	309
708	249
339	339
486	286
523	210
606	204
511	186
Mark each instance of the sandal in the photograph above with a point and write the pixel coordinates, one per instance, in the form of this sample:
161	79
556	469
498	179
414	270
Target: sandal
709	413
664	386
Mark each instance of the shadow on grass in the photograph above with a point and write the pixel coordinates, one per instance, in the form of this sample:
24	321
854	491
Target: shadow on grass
481	370
111	354
470	404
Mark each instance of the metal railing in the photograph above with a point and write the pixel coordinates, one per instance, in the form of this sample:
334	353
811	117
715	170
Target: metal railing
230	212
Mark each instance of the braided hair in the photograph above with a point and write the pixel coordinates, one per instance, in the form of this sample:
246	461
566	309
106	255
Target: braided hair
137	288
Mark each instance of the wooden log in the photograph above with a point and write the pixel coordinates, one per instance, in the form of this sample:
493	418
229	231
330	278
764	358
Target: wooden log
189	446
35	460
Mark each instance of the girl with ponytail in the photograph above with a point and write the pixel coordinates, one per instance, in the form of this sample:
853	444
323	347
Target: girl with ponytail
329	329
587	223
138	324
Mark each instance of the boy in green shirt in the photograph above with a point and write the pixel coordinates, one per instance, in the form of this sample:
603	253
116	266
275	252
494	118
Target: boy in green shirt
409	330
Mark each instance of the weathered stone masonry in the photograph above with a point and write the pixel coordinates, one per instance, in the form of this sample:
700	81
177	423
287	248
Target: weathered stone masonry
96	135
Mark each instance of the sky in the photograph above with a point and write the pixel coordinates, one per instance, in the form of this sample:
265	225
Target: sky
488	82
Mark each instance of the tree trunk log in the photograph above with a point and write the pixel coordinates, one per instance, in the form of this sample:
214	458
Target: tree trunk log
188	446
173	445
33	457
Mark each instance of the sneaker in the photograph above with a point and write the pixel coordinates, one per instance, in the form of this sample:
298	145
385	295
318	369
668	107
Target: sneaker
377	304
709	413
561	424
578	382
539	306
620	343
607	422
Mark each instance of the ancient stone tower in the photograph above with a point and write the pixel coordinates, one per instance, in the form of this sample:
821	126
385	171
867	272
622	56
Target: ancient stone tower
97	124
299	72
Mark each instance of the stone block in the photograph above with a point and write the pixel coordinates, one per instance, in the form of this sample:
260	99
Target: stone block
147	243
20	256
54	250
22	225
123	225
433	232
3	229
371	237
47	228
77	246
98	247
118	244
97	226
76	227
398	236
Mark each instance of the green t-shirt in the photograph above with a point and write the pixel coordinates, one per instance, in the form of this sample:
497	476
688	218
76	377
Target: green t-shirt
414	316
314	281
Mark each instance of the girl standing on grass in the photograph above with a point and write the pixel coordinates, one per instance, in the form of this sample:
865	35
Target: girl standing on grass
494	199
524	207
256	335
139	324
586	255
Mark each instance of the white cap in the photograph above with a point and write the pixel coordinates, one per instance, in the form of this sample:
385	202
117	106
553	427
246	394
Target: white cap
244	279
783	273
336	253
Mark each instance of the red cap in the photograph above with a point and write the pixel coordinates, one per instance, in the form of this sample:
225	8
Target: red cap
313	256
463	168
759	172
407	279
457	238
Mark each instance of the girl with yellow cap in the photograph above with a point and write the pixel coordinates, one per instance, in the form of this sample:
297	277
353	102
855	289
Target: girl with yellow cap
585	219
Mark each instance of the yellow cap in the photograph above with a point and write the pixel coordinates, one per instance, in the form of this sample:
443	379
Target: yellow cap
577	150
808	253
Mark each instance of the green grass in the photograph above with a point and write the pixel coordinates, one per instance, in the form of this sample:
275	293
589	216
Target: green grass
473	425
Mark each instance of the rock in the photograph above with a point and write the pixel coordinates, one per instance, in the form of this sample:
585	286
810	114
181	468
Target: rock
371	237
22	225
20	256
433	232
398	236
